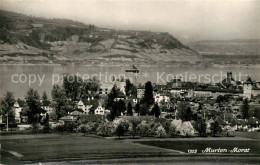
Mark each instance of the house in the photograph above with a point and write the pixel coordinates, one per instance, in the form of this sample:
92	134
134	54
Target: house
83	107
101	111
159	97
140	92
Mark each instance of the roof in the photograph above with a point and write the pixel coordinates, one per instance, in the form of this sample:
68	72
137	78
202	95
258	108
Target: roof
91	118
67	118
248	81
76	113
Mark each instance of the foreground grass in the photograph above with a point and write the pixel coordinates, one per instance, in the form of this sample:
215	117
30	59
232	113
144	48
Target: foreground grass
50	147
69	147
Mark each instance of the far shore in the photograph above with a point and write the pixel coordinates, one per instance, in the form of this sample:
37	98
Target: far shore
139	65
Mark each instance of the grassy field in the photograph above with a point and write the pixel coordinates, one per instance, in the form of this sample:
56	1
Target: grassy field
51	147
76	149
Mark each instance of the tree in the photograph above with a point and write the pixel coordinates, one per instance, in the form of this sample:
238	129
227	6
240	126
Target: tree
33	106
60	100
156	110
137	108
184	111
245	108
114	93
148	93
6	107
143	109
72	86
132	129
127	86
121	107
120	130
45	100
201	127
129	109
215	128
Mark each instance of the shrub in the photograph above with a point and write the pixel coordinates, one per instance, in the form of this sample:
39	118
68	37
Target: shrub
35	127
105	129
215	128
154	126
46	127
229	130
161	131
70	126
59	128
186	129
174	127
144	129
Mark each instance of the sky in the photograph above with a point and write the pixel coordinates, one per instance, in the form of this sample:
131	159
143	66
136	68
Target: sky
187	20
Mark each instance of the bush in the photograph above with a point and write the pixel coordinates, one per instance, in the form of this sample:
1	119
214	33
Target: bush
59	128
229	130
174	127
35	127
144	128
161	131
186	129
46	127
153	127
70	126
215	128
105	129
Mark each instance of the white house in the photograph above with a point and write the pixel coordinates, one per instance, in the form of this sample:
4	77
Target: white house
101	111
160	97
83	107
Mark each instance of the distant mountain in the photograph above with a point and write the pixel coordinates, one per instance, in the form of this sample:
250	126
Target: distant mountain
227	47
29	39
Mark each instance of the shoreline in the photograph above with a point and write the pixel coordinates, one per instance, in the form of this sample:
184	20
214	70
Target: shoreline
139	65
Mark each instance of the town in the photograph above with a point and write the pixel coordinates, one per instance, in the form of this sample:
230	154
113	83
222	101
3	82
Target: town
126	107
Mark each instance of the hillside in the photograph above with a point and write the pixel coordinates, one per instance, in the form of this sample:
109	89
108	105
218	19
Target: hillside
227	47
26	39
239	51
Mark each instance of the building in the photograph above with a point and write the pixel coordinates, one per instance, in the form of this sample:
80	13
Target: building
250	88
83	107
101	111
140	92
159	97
229	81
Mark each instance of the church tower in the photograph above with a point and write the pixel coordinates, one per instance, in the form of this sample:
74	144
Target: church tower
247	88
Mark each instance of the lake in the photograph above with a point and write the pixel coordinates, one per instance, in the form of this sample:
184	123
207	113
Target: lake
19	78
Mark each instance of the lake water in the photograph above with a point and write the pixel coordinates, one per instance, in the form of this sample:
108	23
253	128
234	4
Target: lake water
16	78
